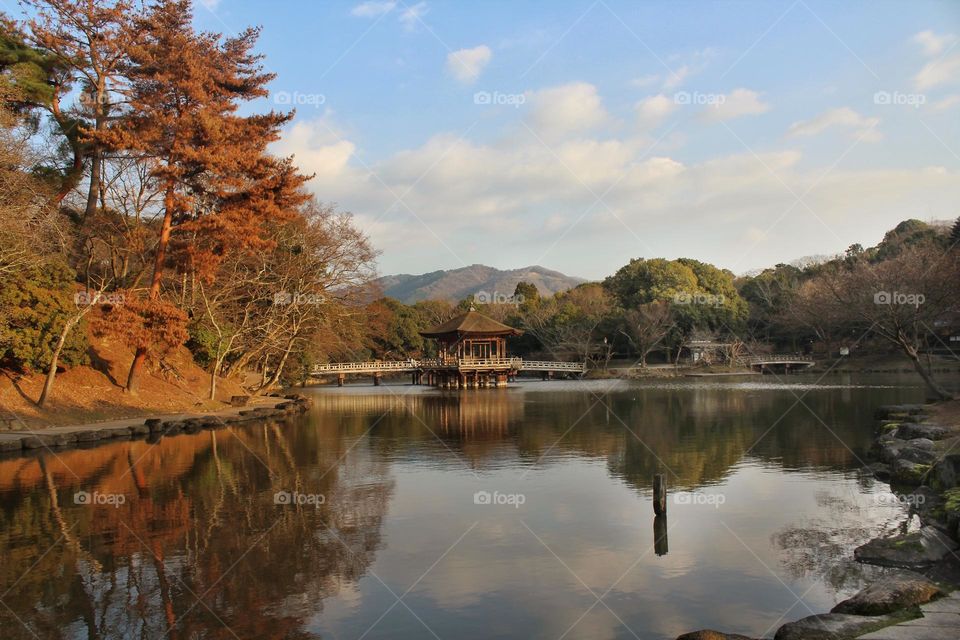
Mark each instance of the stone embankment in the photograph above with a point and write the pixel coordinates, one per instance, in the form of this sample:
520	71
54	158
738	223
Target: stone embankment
151	428
915	599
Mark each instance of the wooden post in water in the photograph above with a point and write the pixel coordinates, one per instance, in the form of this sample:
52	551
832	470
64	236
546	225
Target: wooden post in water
659	494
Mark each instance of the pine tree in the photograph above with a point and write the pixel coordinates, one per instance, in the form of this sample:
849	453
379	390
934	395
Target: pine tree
218	181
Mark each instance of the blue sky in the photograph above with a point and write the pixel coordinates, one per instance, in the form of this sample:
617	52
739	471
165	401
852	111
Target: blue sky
578	135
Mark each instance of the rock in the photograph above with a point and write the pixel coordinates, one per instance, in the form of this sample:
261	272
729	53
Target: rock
946	472
915	550
172	426
151	423
710	634
929	431
15	444
917	454
832	626
88	436
880	471
192	425
139	430
120	432
239	401
885	411
890	593
907	472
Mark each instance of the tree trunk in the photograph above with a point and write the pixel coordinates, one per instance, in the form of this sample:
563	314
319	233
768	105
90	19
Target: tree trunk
159	259
283	361
939	391
52	370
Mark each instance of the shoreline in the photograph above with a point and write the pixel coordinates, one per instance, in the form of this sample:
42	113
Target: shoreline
919	597
152	428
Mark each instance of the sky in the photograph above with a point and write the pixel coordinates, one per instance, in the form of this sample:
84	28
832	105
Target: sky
580	135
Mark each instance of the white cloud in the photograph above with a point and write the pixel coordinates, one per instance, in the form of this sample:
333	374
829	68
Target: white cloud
568	108
675	77
466	65
842	117
932	44
645	81
737	103
942	71
318	146
373	8
652	110
946	104
412	15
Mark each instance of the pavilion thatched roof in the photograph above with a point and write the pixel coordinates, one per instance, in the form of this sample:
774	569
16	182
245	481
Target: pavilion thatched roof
470	323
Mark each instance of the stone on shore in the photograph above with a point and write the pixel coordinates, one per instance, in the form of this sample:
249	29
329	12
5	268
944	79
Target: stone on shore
916	550
946	472
907	472
890	593
910	431
832	626
710	634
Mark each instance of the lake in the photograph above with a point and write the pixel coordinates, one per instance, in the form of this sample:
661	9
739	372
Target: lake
407	512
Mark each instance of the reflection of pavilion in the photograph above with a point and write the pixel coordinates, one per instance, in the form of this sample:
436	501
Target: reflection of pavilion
462	415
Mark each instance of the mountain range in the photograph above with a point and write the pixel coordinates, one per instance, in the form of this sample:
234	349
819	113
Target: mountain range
486	284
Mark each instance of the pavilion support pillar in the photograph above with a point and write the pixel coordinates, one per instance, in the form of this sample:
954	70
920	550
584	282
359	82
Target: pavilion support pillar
502	379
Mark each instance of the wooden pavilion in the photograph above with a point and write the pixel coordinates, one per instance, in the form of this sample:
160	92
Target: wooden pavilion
472	353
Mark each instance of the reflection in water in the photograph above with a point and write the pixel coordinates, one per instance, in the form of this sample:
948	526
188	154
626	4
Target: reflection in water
660	544
197	547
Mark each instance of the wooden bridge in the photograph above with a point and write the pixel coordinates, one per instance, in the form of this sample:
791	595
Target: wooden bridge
462	371
788	362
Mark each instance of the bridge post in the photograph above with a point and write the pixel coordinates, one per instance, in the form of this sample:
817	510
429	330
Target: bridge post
340	378
376	379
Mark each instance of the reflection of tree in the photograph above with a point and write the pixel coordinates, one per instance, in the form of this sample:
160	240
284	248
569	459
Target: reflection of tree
820	547
198	548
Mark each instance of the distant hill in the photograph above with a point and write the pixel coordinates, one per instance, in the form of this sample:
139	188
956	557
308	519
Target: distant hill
456	284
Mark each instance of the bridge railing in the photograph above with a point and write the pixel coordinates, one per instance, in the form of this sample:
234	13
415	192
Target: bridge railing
776	358
545	365
377	366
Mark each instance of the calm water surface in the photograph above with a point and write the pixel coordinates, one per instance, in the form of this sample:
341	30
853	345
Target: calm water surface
383	528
